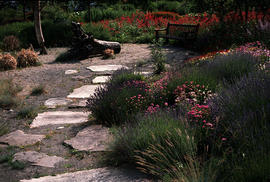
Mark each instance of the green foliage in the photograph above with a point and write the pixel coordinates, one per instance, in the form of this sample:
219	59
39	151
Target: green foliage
158	58
38	90
27	112
97	31
148	130
105	12
8	93
109	104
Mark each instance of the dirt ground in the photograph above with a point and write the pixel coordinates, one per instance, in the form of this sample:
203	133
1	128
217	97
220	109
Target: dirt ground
57	84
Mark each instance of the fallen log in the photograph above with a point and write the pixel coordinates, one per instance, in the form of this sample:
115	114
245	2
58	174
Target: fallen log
84	45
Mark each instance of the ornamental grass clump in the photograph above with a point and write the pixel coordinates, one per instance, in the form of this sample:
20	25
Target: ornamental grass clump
27	57
148	129
7	62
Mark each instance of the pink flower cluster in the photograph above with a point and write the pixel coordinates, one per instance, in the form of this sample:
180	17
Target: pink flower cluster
136	102
152	108
192	93
200	115
256	49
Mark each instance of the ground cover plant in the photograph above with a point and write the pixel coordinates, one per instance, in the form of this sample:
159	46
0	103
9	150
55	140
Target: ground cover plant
192	124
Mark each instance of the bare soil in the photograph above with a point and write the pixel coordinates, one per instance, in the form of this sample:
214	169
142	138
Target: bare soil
57	84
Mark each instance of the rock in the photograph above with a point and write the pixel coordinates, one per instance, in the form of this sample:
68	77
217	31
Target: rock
59	117
104	68
37	159
83	92
54	102
92	138
145	73
60	128
95	175
100	79
70	72
19	138
78	104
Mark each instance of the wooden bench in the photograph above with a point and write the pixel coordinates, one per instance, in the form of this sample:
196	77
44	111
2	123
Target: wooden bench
185	33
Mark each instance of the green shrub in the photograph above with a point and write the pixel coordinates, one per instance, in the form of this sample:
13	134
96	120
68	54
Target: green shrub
98	31
110	105
151	130
38	90
28	112
8	93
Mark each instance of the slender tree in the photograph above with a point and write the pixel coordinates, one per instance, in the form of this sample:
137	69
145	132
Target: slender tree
38	29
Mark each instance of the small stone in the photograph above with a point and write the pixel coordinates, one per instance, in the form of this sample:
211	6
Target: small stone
92	138
19	138
83	92
103	68
95	175
60	128
145	73
54	102
37	159
78	104
59	117
101	79
70	72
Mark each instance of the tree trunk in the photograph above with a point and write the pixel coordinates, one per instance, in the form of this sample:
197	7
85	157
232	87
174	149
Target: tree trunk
38	29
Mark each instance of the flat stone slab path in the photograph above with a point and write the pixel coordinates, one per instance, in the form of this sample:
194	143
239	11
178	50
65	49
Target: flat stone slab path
93	138
104	68
54	102
19	138
83	92
95	175
37	159
59	117
100	79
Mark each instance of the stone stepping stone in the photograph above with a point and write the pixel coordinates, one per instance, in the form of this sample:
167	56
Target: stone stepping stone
95	175
92	138
71	72
19	138
83	92
54	102
104	68
37	159
100	79
59	117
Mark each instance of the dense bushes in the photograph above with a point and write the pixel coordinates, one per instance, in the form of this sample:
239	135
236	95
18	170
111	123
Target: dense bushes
27	57
7	62
109	105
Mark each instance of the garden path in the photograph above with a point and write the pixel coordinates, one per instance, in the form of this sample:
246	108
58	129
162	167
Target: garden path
61	139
